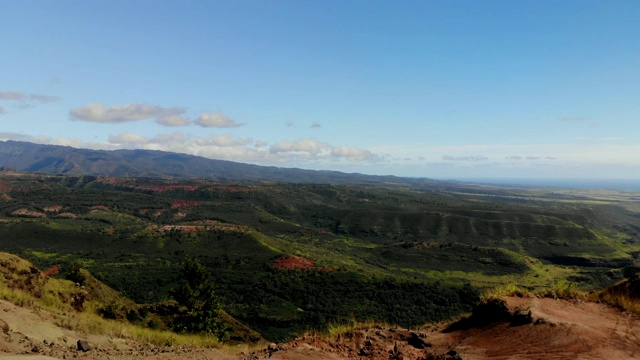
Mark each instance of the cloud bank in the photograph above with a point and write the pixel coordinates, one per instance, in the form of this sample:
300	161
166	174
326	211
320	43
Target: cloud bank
97	112
215	120
25	101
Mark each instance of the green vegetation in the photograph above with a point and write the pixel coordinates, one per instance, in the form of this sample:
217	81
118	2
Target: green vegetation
199	306
403	254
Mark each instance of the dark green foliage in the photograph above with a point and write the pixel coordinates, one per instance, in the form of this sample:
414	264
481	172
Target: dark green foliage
112	310
321	298
199	305
74	274
153	324
134	316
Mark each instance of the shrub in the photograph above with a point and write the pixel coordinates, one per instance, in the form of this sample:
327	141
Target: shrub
74	274
199	306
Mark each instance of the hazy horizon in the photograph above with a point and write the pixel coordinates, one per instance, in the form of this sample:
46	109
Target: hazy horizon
438	89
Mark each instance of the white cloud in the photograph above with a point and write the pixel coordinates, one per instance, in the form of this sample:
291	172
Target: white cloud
97	112
464	158
173	120
308	146
44	98
216	120
223	141
353	154
261	144
12	95
128	139
25	101
322	151
174	137
47	140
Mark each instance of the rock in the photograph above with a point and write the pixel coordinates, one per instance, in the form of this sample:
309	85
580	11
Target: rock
540	322
4	326
520	318
416	341
395	354
83	345
272	347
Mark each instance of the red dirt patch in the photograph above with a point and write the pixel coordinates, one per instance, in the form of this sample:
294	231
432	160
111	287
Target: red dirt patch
158	213
99	207
68	215
52	271
168	187
28	213
184	203
299	263
107	179
6	197
54	208
184	228
179	216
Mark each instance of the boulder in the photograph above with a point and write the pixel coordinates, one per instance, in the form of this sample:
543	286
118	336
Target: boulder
83	345
4	326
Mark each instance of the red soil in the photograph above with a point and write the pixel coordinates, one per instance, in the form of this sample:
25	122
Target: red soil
299	263
52	271
54	208
28	213
67	215
185	203
107	179
158	213
179	216
99	207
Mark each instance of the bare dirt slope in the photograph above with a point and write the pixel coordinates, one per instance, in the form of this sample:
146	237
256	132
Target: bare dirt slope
559	330
556	329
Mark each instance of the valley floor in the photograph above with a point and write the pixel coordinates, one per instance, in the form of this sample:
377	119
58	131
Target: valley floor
559	329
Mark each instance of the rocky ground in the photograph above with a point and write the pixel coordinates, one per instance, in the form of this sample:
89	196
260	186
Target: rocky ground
540	329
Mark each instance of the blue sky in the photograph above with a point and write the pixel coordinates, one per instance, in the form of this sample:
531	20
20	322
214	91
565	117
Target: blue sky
443	89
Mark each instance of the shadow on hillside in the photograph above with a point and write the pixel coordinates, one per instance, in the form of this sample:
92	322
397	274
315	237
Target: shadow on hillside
491	312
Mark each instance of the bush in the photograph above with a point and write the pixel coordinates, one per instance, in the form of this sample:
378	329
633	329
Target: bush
112	310
199	306
74	274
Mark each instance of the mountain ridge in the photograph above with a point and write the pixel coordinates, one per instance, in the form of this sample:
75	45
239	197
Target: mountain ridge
67	160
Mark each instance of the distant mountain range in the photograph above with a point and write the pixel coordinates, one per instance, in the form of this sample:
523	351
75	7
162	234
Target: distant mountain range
54	159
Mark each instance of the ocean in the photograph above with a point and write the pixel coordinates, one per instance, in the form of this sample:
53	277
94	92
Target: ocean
601	184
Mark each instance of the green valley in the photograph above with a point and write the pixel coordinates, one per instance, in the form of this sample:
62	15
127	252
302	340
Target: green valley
289	257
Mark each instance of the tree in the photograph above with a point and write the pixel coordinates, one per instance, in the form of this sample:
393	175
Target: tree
199	306
75	274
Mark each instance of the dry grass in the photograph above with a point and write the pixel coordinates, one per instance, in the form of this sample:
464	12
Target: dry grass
22	285
561	289
624	295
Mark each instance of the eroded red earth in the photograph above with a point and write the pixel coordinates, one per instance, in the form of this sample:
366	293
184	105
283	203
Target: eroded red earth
299	263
